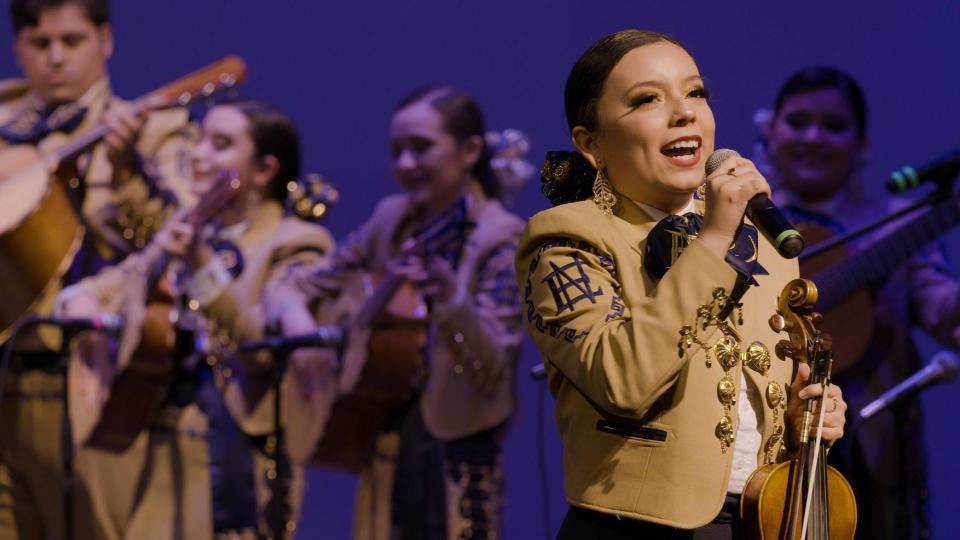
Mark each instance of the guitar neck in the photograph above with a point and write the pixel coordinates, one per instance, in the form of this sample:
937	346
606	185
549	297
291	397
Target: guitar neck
223	74
77	145
379	299
872	265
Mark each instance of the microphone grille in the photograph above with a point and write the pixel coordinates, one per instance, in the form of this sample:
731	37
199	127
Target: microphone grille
717	157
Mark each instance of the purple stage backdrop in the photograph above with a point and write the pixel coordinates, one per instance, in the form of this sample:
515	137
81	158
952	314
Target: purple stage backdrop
339	67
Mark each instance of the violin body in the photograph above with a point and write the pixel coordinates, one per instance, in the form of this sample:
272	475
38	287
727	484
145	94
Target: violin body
803	498
766	503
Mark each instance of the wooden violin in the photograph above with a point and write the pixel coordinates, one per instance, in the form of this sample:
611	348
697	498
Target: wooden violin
802	498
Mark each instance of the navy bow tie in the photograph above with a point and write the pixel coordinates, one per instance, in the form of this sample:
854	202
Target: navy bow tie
31	126
672	234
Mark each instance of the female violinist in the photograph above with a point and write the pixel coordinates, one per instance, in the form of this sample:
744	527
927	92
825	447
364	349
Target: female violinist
651	306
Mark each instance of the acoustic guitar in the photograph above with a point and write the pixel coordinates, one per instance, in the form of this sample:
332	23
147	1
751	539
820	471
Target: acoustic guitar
844	281
383	359
115	401
40	231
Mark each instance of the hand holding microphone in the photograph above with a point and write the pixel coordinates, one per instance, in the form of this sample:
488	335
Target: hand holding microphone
735	188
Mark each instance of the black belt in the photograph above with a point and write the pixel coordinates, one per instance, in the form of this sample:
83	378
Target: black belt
586	523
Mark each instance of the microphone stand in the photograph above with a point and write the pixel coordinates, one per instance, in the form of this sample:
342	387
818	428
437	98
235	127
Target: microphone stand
278	466
911	515
66	429
66	436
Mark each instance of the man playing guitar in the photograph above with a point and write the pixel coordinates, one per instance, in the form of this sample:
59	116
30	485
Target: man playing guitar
816	142
62	47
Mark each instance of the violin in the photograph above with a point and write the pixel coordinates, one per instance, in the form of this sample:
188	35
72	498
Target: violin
802	498
383	364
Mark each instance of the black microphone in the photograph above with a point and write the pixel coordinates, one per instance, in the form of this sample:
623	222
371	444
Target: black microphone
764	214
943	367
324	336
107	323
943	169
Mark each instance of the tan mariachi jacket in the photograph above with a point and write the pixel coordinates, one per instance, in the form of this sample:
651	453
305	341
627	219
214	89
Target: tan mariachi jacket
120	218
638	410
123	217
270	245
471	376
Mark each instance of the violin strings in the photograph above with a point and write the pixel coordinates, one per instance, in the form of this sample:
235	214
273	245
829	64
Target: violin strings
813	467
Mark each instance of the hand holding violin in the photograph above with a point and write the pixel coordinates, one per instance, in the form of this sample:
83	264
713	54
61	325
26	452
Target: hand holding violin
834	416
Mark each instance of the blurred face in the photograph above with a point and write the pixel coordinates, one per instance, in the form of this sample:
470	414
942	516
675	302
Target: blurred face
64	54
225	148
814	143
431	166
655	128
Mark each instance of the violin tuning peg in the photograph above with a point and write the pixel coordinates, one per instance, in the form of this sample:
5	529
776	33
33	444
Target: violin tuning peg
785	349
780	324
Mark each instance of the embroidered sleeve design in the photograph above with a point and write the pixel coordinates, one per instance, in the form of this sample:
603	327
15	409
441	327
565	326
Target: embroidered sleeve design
564	276
570	285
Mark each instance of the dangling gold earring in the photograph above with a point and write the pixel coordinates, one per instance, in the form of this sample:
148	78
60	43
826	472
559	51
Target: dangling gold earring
701	193
603	195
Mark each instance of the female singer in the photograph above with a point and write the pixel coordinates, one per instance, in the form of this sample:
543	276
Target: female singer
436	472
642	297
198	471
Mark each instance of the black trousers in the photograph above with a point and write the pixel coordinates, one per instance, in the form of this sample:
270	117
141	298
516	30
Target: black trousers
583	524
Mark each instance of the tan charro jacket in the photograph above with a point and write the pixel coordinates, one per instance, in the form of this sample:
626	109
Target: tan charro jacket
163	147
269	245
118	218
470	386
638	412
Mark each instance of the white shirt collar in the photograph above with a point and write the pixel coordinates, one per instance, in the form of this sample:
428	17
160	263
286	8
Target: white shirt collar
658	214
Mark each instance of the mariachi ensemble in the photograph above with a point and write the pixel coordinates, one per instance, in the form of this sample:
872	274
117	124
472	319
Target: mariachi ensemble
184	340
